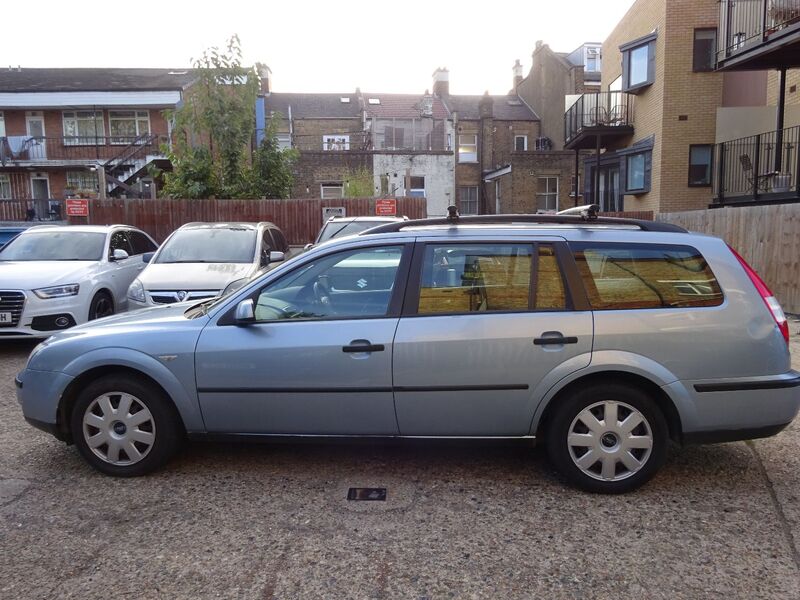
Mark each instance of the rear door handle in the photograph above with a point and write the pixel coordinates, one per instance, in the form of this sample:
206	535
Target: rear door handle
555	341
363	346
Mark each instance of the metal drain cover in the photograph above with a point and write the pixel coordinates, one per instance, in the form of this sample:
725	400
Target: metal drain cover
366	494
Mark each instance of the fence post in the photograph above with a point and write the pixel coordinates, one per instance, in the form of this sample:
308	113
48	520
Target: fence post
721	174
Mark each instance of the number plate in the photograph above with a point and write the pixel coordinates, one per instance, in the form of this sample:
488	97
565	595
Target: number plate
5	318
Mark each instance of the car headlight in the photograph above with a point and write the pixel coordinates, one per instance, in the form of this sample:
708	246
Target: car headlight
58	291
136	291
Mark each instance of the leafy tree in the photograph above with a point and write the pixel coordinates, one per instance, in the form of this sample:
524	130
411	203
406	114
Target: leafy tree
358	184
213	131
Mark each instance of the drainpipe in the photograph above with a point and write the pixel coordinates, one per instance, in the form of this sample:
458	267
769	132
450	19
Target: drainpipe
781	114
596	194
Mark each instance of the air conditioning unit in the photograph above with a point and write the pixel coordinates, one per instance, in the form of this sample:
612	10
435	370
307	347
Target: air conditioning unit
544	143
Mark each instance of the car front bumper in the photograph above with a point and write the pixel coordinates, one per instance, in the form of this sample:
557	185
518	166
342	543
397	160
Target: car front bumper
39	393
42	318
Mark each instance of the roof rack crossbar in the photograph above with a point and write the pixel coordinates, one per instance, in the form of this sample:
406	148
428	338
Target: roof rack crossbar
523	218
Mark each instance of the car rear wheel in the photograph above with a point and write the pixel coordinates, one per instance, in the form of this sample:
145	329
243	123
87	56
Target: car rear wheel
125	426
607	438
102	305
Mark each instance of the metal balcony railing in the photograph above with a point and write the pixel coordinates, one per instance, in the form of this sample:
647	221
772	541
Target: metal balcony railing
758	166
77	148
744	24
602	110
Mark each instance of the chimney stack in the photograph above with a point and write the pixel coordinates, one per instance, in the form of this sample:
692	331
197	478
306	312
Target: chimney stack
517	69
441	82
265	78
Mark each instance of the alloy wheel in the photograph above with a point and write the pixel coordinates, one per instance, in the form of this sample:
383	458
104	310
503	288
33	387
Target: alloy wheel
610	440
118	428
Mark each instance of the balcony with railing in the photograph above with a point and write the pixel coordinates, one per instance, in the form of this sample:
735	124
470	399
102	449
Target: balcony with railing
758	34
759	168
595	119
32	151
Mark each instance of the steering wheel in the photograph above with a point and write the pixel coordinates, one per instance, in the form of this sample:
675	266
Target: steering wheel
322	292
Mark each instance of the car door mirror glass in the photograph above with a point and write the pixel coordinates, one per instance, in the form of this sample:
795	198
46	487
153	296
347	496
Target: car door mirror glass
245	312
119	254
148	256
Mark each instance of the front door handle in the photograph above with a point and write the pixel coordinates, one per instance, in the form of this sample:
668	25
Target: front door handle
363	346
555	340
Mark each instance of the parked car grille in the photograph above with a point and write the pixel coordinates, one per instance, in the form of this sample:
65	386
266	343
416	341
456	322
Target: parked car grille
173	296
11	302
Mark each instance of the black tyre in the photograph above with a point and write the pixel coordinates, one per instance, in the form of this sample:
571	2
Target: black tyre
125	426
102	305
607	438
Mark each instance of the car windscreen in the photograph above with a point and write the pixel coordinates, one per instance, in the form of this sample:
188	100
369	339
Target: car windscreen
230	245
55	245
336	229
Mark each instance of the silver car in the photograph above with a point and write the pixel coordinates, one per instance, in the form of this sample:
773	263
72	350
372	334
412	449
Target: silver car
604	339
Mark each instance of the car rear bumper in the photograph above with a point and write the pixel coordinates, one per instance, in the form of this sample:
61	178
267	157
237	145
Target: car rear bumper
725	410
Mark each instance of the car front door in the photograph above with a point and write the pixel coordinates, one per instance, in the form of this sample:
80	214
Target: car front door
484	329
317	359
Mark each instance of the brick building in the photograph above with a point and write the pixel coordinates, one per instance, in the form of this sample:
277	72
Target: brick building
83	132
479	152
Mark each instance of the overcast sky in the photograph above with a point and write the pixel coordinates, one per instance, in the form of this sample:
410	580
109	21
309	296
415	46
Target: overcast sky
319	46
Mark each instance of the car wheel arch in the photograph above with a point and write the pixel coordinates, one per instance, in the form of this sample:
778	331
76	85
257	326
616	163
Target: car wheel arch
70	395
617	376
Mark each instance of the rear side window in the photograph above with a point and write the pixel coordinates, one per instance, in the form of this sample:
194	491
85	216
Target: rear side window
280	241
141	243
626	276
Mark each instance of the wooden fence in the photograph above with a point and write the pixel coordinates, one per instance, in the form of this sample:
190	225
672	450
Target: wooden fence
300	220
768	237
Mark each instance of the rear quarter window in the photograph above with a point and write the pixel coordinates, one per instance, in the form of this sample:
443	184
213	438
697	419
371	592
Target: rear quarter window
628	276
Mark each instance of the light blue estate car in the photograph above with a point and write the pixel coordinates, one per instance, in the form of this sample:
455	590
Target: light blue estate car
604	338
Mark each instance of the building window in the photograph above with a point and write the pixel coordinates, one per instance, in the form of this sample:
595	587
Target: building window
2	125
83	127
331	190
467	148
638	63
547	194
635	168
336	142
284	141
468	200
416	187
125	125
705	50
520	143
700	160
5	186
82	182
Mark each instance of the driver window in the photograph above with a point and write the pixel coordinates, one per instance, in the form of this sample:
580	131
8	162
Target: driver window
119	241
356	283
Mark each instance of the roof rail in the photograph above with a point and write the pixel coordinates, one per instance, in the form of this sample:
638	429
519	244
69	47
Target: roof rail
454	218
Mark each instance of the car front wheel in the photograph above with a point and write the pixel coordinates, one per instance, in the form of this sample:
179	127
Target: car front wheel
607	438
101	306
125	426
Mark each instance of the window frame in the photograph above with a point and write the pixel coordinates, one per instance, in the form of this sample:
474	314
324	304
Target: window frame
334	139
648	42
645	180
5	180
704	68
477	199
471	145
322	187
71	174
284	141
413	192
575	298
710	165
394	308
548	193
575	247
524	137
2	124
121	140
98	138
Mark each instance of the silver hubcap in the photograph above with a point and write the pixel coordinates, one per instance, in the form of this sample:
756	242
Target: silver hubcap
610	440
118	428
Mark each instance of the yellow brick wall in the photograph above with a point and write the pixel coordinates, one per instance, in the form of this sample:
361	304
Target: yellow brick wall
792	81
676	91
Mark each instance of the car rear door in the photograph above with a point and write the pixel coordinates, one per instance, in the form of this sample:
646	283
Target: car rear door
487	327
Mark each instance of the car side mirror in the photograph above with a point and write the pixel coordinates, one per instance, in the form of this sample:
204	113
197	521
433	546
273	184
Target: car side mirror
308	247
245	312
119	254
148	256
276	256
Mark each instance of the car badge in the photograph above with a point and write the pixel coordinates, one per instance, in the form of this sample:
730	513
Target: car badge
181	296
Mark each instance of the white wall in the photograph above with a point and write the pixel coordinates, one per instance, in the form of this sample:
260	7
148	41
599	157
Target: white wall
736	122
438	170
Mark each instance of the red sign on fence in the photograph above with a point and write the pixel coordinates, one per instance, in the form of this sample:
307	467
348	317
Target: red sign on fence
386	207
77	208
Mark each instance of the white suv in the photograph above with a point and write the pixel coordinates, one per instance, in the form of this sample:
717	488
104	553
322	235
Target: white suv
52	278
203	260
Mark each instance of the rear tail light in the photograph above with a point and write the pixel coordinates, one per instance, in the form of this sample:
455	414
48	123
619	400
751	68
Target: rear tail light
769	299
